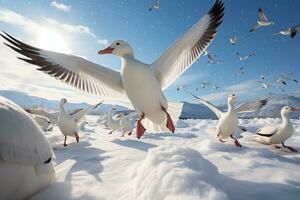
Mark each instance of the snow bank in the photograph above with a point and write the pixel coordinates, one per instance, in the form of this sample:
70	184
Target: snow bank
170	172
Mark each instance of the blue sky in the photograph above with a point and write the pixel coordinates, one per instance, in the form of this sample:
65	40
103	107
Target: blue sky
150	33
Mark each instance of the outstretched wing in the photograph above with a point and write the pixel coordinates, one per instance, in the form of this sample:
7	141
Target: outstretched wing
53	118
262	16
70	69
188	48
77	116
252	106
212	107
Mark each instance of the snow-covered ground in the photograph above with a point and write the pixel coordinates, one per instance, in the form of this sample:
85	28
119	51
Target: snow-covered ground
190	164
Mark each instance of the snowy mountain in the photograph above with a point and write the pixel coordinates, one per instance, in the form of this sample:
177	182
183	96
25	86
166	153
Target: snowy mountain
189	110
27	101
272	109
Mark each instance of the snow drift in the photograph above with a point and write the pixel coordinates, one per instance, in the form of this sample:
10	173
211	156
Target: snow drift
172	173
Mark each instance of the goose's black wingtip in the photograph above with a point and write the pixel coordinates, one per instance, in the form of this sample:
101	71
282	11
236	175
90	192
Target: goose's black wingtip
217	12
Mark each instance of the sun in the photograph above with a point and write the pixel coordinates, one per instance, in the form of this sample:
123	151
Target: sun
50	39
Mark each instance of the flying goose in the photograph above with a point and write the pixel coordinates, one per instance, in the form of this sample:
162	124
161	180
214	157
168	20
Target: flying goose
142	83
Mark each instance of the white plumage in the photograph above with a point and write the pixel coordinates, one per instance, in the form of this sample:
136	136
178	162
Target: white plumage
68	123
125	124
277	135
112	124
228	121
25	154
141	83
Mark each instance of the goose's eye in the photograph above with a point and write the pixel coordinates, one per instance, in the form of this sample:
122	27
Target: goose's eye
118	43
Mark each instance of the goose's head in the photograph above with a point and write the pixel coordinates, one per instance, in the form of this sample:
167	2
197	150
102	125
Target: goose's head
287	109
231	99
119	48
63	101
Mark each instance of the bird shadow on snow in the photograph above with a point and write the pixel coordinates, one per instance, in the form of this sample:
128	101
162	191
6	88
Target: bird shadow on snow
135	144
239	189
87	159
161	136
62	191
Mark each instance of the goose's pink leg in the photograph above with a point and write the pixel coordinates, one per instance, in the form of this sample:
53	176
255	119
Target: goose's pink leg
76	136
170	124
236	142
65	142
140	130
290	148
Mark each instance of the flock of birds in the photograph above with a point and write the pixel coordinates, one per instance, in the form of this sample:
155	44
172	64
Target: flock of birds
278	83
25	154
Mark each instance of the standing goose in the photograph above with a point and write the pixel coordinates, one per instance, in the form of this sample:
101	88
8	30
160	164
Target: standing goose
68	123
25	154
141	83
125	124
278	135
111	123
228	121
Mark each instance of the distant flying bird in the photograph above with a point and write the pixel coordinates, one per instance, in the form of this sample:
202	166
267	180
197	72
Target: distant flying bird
273	135
212	59
232	40
243	58
288	77
155	5
204	84
145	91
215	86
281	81
265	85
263	21
241	71
228	121
291	31
179	87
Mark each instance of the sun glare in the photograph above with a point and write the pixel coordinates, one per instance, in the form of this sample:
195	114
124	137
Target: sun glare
52	40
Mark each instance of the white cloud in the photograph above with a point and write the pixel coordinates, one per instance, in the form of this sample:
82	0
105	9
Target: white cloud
71	28
102	41
61	6
19	76
246	88
33	27
188	79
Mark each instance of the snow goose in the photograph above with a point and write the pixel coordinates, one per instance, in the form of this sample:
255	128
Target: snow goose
68	123
25	155
243	58
43	122
228	121
142	83
111	123
291	31
278	135
263	20
155	5
232	40
125	124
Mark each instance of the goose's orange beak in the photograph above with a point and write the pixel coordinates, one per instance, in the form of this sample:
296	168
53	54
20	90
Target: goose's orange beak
108	50
295	109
